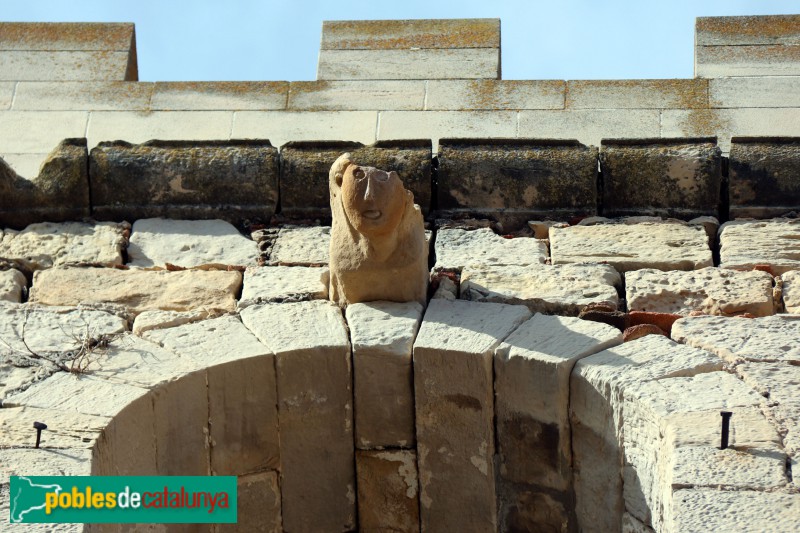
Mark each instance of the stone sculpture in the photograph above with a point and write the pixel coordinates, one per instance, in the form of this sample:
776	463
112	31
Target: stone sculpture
378	246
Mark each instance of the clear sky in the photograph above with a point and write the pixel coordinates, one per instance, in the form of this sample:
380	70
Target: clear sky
205	40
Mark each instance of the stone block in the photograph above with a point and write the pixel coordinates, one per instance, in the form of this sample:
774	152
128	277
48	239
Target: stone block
284	126
137	290
761	91
382	334
65	429
530	510
48	244
305	167
181	417
481	248
299	246
422	33
387	491
658	245
46	65
283	284
598	387
43	462
315	411
590	126
435	125
746	60
59	192
529	178
666	177
712	291
219	95
776	381
140	127
189	243
127	445
788	416
356	95
791	291
37	132
758	29
637	94
767	339
717	510
150	320
13	285
82	95
764	176
259	505
6	94
455	411
184	179
463	95
557	290
745	244
532	371
727	123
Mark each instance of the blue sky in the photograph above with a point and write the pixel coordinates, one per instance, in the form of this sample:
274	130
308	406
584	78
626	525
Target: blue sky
206	40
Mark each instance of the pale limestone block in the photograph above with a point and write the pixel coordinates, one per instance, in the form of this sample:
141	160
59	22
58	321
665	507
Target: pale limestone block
458	95
458	248
447	289
387	491
81	393
150	320
716	510
12	285
382	335
788	416
541	228
35	132
409	64
532	371
590	126
241	376
181	419
713	291
356	95
52	332
416	33
455	411
259	504
765	339
296	246
127	445
189	243
746	243
597	391
6	94
219	95
137	290
791	291
671	434
54	65
48	244
137	127
559	289
758	29
283	283
25	165
43	462
731	122
315	411
746	60
82	95
281	127
636	94
761	91
662	246
777	381
437	125
65	429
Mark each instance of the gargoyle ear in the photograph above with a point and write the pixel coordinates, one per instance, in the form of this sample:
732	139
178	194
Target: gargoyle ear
393	175
339	167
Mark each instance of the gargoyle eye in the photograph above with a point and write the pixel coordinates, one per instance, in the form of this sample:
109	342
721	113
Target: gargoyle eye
358	174
381	176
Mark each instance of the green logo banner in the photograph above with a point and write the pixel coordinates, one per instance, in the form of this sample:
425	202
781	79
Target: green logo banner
123	499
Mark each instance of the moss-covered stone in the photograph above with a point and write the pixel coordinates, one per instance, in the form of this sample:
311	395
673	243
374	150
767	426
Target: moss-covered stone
666	177
60	192
764	176
232	180
512	178
305	167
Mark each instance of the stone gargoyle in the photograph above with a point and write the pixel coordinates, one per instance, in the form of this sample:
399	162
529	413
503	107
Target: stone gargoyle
378	246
